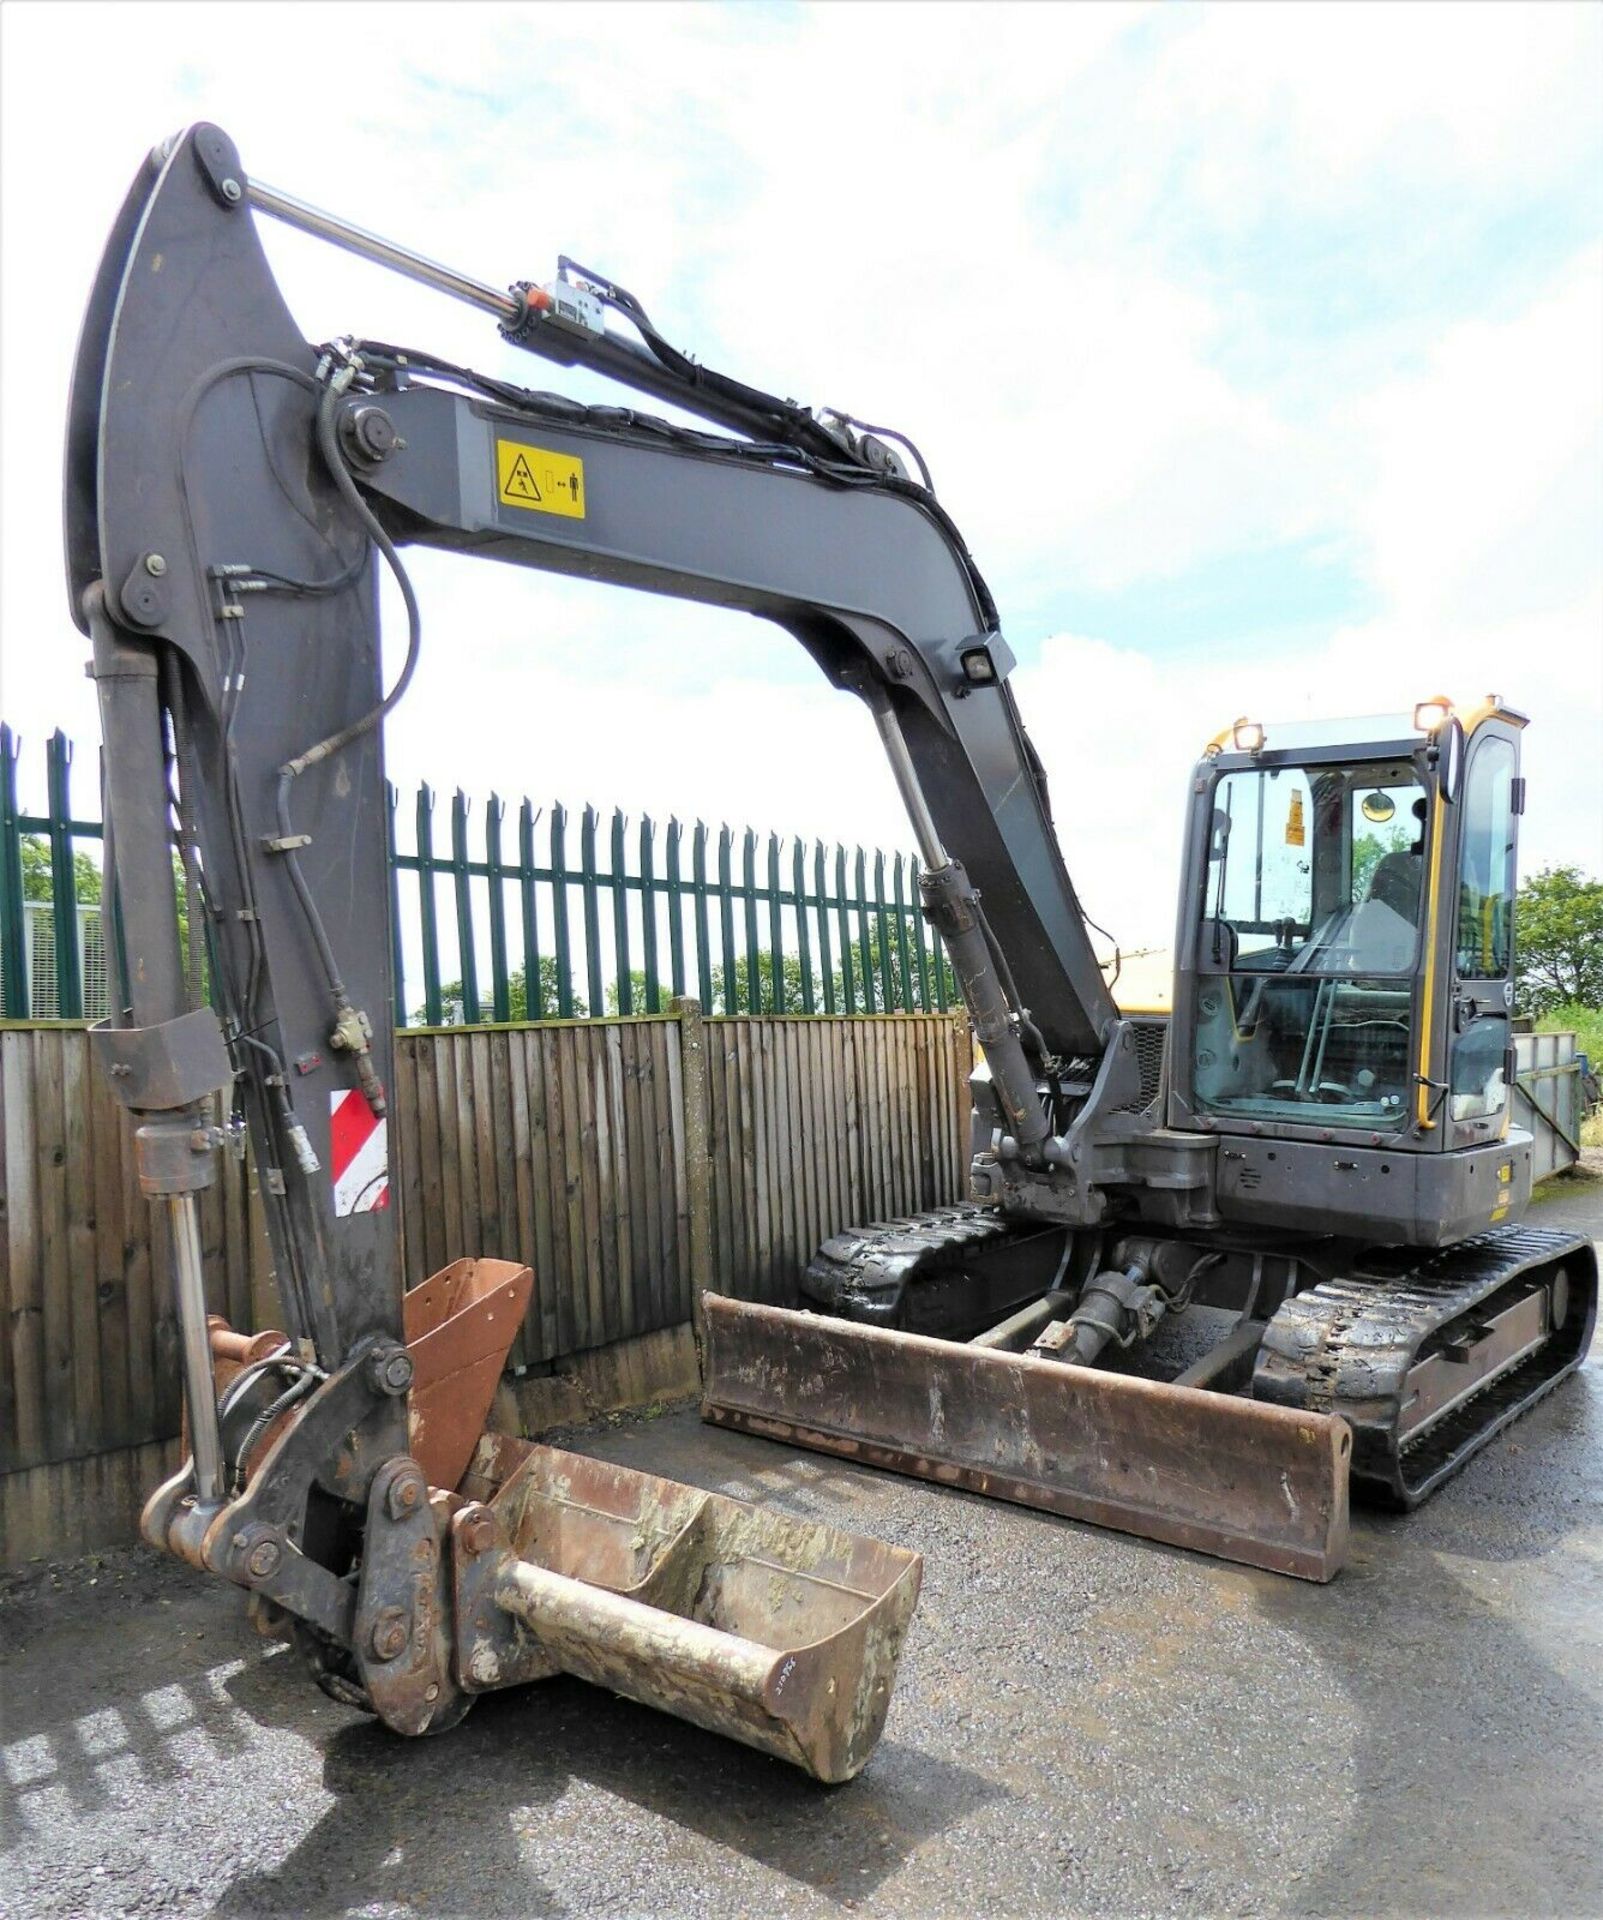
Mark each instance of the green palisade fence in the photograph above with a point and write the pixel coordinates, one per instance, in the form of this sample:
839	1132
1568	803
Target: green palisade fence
544	918
22	991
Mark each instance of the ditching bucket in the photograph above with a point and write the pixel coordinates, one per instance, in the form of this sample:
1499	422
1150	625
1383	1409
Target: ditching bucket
779	1632
1261	1484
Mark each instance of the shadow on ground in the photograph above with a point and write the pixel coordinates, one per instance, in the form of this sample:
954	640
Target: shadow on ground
403	1806
1469	1639
125	1717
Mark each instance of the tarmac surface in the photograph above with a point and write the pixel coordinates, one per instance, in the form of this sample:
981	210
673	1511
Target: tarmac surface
1085	1724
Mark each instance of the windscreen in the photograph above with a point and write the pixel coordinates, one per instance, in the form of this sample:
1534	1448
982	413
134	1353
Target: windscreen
1309	942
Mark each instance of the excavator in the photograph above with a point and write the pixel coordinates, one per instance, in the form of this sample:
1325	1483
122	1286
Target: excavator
1308	1153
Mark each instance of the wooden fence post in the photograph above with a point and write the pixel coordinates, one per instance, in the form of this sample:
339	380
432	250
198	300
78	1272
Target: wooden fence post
693	1074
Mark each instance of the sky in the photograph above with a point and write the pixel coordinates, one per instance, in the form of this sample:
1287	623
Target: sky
1257	351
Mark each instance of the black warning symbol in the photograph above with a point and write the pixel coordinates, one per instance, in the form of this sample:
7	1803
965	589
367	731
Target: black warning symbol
520	483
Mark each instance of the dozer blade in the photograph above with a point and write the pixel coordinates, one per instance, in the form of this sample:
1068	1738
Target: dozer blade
779	1632
1202	1470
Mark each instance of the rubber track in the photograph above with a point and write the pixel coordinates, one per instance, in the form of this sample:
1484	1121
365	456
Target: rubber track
1346	1346
854	1271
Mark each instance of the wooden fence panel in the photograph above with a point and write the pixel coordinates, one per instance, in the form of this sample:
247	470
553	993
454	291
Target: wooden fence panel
821	1124
89	1357
562	1145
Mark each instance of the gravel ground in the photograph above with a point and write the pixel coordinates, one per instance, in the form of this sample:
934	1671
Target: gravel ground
1084	1724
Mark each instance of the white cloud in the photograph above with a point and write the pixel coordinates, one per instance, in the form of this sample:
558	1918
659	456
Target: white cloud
978	223
1487	499
1483	522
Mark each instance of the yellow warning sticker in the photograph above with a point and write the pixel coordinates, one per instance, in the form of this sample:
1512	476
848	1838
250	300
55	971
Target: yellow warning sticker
1295	836
537	478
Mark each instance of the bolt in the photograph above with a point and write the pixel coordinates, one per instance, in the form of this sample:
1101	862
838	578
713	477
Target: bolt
431	1692
264	1559
406	1490
391	1631
372	432
232	190
155	565
478	1533
391	1371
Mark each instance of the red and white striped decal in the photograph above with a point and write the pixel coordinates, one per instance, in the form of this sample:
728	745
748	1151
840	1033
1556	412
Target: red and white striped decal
359	1150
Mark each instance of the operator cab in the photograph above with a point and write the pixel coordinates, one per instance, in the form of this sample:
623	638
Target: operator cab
1345	948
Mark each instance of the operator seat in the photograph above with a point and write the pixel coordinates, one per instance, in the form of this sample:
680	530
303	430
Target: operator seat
1397	883
1381	937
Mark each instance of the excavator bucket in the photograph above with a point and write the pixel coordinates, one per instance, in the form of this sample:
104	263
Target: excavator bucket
779	1632
1260	1484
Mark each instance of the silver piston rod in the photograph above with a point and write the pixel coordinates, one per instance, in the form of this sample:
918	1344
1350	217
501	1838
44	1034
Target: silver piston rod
952	907
385	253
200	1392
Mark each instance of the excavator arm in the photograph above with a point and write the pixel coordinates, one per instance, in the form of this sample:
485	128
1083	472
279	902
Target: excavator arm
230	490
230	494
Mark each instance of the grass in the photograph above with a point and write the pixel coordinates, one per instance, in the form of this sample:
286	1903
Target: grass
1586	1023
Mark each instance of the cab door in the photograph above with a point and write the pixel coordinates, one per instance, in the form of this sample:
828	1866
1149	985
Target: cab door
1479	943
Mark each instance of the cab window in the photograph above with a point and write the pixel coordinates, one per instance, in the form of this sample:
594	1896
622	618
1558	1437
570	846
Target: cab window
1486	869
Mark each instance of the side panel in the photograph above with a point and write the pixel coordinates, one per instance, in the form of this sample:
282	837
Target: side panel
1378	1194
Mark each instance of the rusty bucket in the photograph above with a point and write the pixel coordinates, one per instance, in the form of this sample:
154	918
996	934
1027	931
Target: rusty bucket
776	1631
459	1324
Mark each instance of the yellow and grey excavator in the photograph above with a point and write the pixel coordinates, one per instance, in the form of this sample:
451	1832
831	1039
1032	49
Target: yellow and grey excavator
1314	1140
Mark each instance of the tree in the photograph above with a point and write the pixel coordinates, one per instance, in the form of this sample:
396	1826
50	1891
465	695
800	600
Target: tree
637	993
453	1004
869	964
38	883
1558	923
38	880
737	998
